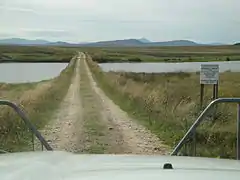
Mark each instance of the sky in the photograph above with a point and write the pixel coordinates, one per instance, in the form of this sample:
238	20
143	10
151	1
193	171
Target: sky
203	21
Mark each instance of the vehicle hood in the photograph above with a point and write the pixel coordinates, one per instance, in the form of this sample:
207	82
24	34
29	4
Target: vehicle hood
67	166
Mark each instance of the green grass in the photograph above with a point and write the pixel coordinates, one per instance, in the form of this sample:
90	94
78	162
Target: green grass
35	54
168	104
38	100
121	54
96	130
165	54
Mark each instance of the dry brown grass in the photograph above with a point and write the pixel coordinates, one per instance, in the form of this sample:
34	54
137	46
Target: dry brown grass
38	100
169	103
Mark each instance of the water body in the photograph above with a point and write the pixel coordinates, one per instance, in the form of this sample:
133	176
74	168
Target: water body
233	66
29	72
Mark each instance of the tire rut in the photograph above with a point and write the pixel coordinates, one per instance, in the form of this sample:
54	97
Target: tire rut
100	134
87	121
65	126
130	137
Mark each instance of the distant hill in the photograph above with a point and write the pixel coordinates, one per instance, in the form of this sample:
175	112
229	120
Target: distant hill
37	42
58	43
143	42
237	44
125	42
217	44
19	41
175	43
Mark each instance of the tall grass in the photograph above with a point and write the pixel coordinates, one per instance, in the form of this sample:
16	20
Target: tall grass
165	54
38	100
168	104
35	54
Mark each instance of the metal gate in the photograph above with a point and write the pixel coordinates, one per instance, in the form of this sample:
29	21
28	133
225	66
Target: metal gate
28	123
191	133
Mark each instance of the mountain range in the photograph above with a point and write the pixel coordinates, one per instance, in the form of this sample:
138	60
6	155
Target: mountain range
115	43
19	41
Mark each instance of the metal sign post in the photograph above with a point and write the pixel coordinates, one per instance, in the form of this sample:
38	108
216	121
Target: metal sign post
209	75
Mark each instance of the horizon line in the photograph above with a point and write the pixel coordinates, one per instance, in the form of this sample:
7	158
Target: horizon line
79	42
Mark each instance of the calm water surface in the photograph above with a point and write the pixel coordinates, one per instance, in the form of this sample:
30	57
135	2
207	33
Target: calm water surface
233	66
29	72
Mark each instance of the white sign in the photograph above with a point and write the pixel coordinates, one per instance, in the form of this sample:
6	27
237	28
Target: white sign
209	74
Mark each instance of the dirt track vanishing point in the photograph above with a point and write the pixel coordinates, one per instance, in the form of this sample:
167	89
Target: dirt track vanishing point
87	121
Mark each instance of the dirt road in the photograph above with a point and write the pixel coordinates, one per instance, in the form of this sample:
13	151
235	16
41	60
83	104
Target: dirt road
89	122
61	132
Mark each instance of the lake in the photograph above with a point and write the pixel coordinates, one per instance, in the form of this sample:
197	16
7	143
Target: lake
233	66
29	72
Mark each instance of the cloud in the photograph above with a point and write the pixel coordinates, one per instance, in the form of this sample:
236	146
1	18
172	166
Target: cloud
215	20
41	30
18	9
118	21
53	33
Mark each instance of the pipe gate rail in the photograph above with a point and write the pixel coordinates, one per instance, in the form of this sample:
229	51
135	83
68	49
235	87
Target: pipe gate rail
27	122
191	133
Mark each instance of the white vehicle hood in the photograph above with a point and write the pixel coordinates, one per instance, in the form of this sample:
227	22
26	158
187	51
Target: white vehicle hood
68	166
